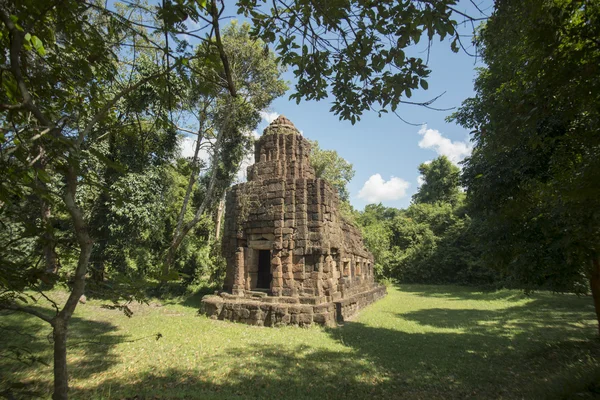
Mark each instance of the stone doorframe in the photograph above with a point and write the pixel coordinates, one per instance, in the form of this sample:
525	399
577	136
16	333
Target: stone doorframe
251	260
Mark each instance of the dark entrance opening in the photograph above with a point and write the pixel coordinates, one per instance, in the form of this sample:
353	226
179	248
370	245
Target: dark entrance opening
264	270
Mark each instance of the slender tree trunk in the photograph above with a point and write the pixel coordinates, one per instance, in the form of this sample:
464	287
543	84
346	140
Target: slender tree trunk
98	223
595	286
220	216
182	229
49	242
177	236
101	231
61	378
61	322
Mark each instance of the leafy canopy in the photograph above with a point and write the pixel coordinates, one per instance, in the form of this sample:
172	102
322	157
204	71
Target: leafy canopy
334	169
532	181
357	51
440	182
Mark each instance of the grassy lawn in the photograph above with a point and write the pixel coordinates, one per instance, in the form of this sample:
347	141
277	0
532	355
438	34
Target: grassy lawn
420	342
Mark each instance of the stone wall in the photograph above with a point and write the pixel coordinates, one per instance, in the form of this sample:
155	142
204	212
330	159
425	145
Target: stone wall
285	210
288	310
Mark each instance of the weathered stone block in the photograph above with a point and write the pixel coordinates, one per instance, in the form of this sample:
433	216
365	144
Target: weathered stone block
284	209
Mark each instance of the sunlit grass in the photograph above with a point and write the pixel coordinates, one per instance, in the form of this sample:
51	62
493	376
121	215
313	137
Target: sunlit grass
419	342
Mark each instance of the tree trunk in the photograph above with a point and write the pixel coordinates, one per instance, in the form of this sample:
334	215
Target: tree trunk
61	378
595	286
61	322
220	217
177	237
182	229
49	242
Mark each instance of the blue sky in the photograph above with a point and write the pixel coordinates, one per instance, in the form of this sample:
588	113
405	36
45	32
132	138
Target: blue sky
386	152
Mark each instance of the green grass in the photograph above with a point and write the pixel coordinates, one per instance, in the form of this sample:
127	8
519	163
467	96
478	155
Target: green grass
420	342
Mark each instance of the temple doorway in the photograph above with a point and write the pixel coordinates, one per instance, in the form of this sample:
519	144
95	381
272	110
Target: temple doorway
264	270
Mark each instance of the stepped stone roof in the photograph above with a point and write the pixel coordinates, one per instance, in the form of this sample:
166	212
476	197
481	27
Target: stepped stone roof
281	125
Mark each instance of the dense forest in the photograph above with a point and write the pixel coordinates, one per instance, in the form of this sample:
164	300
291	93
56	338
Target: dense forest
96	198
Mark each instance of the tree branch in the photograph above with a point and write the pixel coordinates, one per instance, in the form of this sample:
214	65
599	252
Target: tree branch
88	129
16	41
222	54
27	310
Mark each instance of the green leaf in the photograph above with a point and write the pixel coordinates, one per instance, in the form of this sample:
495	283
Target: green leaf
28	37
416	36
424	84
43	176
38	45
14	19
10	88
454	45
115	165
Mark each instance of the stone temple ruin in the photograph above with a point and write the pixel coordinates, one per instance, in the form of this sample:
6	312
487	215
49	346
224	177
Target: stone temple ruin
291	257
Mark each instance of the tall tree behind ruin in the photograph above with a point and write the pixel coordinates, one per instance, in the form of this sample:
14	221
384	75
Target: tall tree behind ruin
535	168
224	124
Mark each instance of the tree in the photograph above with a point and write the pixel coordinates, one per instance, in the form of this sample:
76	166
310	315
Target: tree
66	66
74	73
51	120
356	50
334	169
375	225
532	180
440	182
222	123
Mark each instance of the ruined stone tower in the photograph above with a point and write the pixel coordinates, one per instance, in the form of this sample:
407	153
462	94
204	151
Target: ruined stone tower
291	257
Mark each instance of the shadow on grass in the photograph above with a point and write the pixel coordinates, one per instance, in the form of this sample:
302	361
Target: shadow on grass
26	350
539	350
261	372
453	292
461	292
410	366
547	348
192	300
543	349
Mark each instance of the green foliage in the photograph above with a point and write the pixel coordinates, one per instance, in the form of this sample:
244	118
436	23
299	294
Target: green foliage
334	169
223	121
441	179
135	215
533	177
431	241
356	50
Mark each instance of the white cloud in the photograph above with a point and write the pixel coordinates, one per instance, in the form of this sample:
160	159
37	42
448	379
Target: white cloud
433	139
191	24
242	175
187	145
420	180
247	161
269	116
376	189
